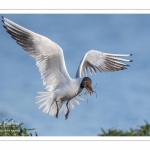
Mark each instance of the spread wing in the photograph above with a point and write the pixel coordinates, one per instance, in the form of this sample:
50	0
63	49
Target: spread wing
48	55
104	62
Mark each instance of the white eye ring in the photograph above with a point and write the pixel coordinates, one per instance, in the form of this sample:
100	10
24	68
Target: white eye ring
86	82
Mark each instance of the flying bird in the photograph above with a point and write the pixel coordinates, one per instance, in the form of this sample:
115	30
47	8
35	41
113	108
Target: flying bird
62	91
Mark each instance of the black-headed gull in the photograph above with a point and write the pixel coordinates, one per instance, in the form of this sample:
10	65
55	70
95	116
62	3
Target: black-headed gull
62	91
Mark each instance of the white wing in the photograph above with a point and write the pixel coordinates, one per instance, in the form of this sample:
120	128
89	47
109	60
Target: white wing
48	55
104	62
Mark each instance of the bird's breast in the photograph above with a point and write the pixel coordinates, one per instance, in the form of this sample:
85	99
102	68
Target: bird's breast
69	91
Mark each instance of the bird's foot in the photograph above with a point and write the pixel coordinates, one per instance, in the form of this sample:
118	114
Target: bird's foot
67	114
57	110
57	113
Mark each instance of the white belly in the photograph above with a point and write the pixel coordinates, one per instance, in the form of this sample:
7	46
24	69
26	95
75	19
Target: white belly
69	91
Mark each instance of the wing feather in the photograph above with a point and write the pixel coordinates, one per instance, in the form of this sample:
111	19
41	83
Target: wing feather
104	62
48	55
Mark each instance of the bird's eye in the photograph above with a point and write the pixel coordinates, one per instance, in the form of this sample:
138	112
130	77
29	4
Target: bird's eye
86	82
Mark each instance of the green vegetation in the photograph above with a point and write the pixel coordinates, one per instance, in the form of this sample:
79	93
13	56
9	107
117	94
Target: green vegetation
11	128
142	131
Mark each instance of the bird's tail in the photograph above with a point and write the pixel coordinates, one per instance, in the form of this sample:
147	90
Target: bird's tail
46	102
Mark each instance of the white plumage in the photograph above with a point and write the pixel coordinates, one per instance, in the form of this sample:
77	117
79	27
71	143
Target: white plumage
62	90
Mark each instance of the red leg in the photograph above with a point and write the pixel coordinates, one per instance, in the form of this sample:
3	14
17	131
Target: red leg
57	110
67	110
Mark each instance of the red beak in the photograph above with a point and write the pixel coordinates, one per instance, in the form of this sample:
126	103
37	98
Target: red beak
90	90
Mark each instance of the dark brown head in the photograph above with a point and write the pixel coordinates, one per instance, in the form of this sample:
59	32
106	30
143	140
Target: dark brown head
87	83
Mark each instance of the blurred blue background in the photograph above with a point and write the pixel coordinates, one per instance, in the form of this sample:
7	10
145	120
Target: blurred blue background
123	98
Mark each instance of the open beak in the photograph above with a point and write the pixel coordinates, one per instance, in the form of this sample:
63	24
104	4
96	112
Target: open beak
89	89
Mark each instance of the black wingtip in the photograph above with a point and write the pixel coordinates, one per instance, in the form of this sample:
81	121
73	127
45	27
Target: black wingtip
131	60
4	26
3	21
